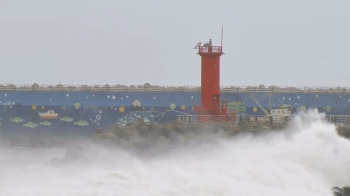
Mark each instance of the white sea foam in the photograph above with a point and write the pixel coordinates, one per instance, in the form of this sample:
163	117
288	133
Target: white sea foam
308	159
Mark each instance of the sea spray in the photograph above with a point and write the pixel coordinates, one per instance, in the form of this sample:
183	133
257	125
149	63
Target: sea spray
308	158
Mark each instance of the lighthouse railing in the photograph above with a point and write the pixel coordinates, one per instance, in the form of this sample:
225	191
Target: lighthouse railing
210	49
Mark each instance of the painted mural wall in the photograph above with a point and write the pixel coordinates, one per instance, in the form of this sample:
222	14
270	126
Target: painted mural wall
82	112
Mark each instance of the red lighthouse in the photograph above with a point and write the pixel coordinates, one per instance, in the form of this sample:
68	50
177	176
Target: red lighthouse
210	82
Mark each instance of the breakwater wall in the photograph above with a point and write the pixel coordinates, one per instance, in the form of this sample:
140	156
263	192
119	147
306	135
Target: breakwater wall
171	88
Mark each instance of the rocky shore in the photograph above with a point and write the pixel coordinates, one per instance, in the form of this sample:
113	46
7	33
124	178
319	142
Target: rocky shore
148	138
345	191
344	131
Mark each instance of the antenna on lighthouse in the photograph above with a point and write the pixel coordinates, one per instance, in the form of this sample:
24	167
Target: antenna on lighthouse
197	46
222	34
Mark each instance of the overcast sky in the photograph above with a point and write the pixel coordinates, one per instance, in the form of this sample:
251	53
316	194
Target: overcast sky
271	42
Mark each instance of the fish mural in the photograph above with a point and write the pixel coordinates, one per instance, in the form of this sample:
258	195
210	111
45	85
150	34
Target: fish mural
146	116
46	123
30	125
16	120
66	119
81	123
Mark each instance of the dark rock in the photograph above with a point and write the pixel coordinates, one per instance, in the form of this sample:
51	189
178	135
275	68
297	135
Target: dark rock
138	145
176	138
128	124
138	123
134	134
158	129
153	136
189	135
143	130
198	128
277	127
230	127
220	132
346	190
205	139
155	127
180	129
114	129
343	131
258	128
123	142
162	141
105	138
99	131
208	132
125	134
193	126
210	124
160	147
167	127
244	126
177	122
216	128
337	191
228	134
256	125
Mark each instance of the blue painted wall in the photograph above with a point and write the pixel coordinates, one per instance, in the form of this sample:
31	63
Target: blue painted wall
159	106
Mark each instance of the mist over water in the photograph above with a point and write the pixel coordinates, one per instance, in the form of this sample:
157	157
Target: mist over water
307	159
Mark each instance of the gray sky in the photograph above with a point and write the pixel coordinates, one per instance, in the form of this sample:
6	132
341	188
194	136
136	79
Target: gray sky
271	42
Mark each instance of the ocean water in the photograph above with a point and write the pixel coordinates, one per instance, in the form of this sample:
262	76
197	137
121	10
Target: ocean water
307	159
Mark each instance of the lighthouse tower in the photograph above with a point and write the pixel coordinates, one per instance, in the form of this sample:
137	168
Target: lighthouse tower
210	81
